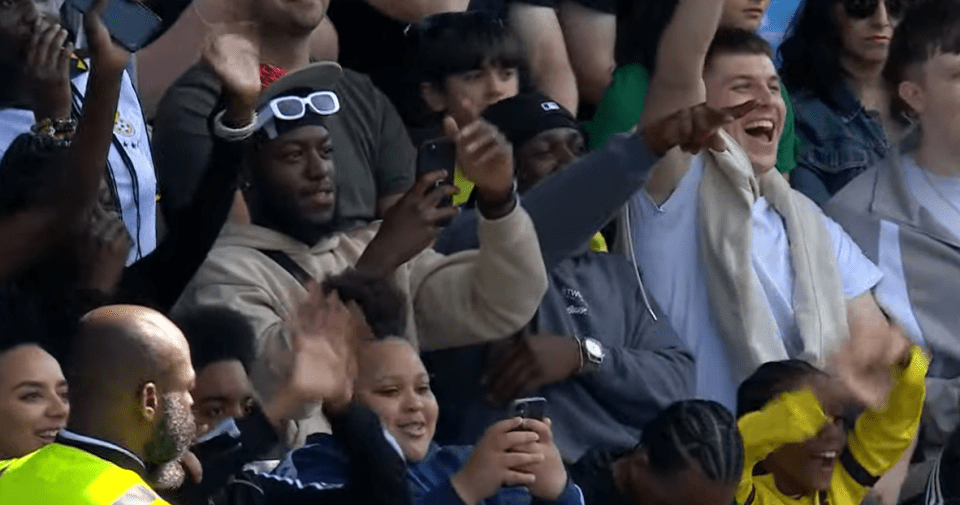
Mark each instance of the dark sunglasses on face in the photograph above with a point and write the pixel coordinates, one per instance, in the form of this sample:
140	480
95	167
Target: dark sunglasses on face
861	9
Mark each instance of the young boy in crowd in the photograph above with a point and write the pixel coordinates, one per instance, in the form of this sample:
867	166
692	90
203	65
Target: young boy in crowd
467	61
221	348
393	382
796	444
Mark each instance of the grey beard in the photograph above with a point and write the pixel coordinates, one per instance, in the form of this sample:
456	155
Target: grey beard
173	435
168	476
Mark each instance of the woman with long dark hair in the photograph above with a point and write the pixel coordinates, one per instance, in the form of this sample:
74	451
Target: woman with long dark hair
833	58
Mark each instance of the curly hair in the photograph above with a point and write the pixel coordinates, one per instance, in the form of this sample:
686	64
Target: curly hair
383	305
217	334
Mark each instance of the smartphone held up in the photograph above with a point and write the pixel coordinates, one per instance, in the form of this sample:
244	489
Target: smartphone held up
131	23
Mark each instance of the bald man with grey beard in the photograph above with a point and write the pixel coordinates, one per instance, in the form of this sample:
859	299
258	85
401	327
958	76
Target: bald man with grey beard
130	376
130	379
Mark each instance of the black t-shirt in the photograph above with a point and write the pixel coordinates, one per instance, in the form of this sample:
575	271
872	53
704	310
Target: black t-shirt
373	154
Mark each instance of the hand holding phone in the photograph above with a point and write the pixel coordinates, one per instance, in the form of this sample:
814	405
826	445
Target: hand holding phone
436	155
131	23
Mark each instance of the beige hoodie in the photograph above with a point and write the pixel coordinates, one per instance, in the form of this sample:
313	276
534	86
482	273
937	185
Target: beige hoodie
455	301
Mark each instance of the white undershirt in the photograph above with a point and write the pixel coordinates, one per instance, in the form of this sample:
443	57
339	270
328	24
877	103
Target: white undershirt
931	190
668	252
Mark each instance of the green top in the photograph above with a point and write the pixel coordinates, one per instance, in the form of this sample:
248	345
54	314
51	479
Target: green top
622	106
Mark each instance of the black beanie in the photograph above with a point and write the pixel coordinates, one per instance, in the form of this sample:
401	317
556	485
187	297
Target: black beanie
525	116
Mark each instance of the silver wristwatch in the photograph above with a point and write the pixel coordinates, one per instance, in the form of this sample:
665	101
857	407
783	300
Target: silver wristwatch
592	353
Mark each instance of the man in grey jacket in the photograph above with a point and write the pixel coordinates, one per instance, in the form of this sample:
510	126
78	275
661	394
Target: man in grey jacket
905	212
599	350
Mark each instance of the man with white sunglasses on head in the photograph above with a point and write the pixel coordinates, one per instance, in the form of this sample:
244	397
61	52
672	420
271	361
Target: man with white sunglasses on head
260	269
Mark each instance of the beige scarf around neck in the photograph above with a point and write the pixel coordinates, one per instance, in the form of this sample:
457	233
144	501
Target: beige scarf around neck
739	306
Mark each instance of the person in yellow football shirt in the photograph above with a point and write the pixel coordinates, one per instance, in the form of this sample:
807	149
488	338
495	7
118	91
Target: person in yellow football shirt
802	444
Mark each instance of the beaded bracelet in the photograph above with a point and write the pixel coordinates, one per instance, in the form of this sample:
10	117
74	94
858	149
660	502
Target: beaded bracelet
59	131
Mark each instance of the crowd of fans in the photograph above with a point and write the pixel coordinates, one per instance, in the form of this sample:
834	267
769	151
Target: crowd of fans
582	252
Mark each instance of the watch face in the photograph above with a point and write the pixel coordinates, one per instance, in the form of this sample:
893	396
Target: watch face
593	348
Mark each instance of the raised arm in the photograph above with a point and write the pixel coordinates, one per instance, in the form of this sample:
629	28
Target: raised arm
590	37
539	31
792	417
159	278
881	437
677	82
33	230
568	207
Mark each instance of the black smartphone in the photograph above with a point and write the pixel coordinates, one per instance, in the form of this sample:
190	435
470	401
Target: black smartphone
131	24
529	408
436	155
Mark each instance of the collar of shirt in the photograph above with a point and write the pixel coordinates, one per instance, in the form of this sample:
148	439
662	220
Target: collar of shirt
104	450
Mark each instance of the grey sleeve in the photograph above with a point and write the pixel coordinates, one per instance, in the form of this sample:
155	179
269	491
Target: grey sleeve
181	139
652	370
569	207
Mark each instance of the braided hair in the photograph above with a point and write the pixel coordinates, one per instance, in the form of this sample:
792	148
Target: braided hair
695	431
770	381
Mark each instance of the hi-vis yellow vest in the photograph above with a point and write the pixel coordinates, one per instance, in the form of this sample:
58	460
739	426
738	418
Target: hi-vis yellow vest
62	475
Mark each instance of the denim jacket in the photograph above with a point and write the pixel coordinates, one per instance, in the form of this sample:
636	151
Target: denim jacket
839	140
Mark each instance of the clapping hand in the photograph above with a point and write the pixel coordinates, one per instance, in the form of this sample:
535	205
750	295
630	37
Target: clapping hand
865	364
235	58
324	334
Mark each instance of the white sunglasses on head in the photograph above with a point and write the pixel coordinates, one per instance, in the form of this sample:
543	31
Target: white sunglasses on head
291	108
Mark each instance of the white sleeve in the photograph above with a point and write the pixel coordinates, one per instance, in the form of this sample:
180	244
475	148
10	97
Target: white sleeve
859	274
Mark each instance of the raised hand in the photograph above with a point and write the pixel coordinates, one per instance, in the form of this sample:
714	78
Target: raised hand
324	334
484	154
48	69
106	56
493	462
693	129
325	337
235	58
410	226
865	363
